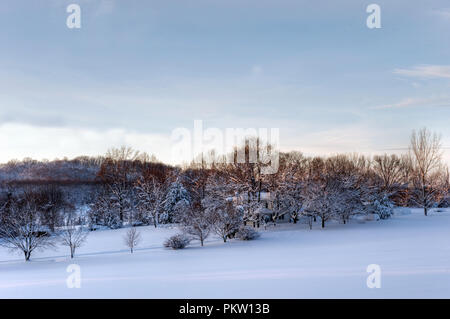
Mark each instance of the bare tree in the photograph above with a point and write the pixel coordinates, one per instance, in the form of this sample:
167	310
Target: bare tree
425	150
52	203
291	187
22	230
151	199
196	222
102	210
118	172
73	236
132	238
226	220
220	209
389	169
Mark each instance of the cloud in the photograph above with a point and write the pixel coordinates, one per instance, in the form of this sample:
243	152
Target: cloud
417	102
23	140
426	71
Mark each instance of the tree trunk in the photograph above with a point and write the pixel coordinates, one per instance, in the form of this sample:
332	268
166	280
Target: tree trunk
323	223
27	255
425	210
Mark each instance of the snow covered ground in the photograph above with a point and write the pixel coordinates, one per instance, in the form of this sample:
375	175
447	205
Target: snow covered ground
288	261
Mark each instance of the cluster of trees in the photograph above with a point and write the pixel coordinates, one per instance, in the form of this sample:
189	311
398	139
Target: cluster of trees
28	221
213	195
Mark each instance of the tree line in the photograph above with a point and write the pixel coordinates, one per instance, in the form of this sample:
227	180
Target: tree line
128	188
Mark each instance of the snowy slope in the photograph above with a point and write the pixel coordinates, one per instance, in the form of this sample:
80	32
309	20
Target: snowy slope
288	261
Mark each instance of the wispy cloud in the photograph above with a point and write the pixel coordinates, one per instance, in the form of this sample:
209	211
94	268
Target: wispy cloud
426	71
417	102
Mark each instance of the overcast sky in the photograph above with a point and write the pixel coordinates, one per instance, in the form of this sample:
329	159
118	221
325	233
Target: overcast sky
136	70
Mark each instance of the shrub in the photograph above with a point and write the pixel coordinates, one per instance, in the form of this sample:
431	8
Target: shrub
383	207
179	241
247	233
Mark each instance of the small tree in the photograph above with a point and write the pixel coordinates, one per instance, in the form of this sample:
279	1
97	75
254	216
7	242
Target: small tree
425	151
219	207
102	211
21	229
51	203
132	238
151	199
73	236
177	199
196	223
226	220
383	207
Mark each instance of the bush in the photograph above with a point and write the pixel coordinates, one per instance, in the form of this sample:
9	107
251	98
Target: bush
247	233
179	241
383	207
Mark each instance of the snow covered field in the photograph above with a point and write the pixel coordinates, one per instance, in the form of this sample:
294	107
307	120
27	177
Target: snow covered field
288	261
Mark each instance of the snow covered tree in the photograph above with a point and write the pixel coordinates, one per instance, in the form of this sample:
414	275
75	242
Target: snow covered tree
226	220
195	222
425	150
351	192
102	211
383	207
73	236
6	201
245	173
224	216
122	201
118	173
176	200
22	229
51	205
316	201
430	195
132	238
290	187
151	199
291	194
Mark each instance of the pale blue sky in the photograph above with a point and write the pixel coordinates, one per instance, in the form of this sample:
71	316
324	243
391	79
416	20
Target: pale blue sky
136	70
